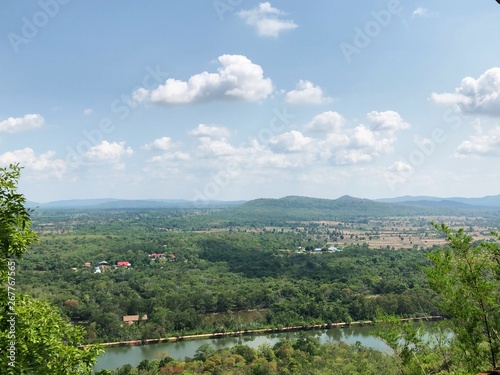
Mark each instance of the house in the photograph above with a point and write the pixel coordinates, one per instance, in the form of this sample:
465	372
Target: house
103	266
87	264
333	249
130	319
124	264
173	258
317	249
97	270
156	255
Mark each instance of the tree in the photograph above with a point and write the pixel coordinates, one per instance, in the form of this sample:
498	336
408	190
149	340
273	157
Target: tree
466	277
15	223
34	338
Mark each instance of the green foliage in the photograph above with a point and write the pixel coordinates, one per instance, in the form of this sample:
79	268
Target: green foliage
465	276
421	348
34	337
46	343
15	223
292	358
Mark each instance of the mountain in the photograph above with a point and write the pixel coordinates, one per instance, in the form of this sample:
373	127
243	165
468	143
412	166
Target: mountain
491	201
131	204
305	208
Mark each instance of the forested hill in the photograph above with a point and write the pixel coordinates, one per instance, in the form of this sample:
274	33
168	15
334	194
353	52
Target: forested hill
304	208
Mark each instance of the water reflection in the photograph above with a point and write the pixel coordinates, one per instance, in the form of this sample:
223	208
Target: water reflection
118	356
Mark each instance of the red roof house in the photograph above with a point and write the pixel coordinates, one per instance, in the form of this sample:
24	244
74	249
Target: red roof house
123	264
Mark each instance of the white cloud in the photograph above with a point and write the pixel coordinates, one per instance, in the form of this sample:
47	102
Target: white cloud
109	153
17	124
267	20
307	93
172	156
211	131
237	79
363	137
421	12
475	96
326	122
344	145
388	120
218	147
88	111
293	141
480	145
45	164
352	157
400	166
160	144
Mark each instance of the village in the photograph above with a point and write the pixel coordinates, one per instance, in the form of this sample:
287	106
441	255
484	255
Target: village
104	266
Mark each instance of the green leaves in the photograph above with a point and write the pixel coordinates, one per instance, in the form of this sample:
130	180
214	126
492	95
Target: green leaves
15	223
466	277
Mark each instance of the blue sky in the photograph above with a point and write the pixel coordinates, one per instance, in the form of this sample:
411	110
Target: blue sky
240	99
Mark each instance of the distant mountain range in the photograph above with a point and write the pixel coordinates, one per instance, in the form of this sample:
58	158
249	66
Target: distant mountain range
489	201
110	203
296	207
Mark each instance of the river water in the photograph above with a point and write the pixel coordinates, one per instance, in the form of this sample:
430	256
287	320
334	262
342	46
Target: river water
116	357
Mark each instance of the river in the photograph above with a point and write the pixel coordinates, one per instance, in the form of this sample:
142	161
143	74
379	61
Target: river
115	357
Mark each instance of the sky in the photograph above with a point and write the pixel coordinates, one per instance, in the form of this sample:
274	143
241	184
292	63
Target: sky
241	99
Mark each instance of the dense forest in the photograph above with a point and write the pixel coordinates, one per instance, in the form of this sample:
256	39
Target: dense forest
212	272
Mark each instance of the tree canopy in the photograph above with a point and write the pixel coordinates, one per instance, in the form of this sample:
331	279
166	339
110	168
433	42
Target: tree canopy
34	337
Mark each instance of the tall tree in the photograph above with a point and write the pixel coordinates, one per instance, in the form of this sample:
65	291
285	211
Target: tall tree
34	338
15	223
466	276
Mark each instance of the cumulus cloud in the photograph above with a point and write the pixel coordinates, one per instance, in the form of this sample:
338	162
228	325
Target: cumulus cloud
171	156
218	147
330	141
108	153
268	21
307	93
238	78
351	145
293	141
18	124
479	96
211	131
354	156
480	145
160	144
46	164
326	122
388	120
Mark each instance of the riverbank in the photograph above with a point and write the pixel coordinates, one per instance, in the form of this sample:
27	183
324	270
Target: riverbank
218	335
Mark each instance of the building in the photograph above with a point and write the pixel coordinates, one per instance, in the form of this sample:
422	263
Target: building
124	264
156	255
130	319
